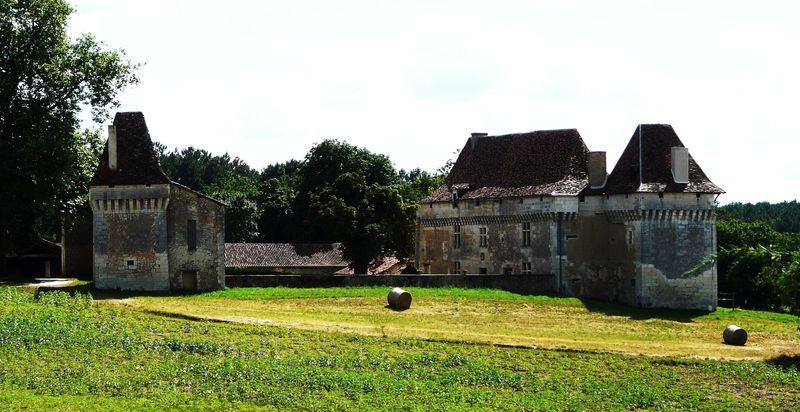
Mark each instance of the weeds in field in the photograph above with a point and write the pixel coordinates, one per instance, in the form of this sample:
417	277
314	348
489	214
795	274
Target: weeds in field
67	352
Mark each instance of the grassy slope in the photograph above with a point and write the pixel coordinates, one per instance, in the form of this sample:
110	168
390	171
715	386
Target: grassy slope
69	354
493	316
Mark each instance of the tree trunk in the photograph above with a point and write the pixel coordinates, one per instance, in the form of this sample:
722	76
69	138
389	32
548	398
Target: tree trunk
3	266
360	268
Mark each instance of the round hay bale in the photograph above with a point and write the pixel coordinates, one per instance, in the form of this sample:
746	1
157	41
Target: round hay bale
734	335
399	299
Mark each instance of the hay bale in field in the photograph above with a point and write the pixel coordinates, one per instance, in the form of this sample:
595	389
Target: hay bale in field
399	299
734	335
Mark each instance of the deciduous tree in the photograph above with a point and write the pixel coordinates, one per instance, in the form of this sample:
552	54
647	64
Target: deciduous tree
46	79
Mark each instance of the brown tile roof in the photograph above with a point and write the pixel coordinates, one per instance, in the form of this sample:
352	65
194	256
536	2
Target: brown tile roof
387	265
136	160
656	171
547	162
283	255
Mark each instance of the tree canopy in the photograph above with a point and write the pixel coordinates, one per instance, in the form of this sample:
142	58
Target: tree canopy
784	216
46	79
228	179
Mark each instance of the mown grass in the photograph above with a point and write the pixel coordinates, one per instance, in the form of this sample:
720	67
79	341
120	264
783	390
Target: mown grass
69	353
493	316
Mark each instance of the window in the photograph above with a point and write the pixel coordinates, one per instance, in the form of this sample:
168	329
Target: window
191	234
477	202
456	236
507	270
526	268
483	238
455	200
130	264
456	267
630	237
483	271
526	233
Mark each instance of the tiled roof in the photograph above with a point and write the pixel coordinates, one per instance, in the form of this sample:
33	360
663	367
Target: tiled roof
548	162
283	255
136	160
657	141
387	265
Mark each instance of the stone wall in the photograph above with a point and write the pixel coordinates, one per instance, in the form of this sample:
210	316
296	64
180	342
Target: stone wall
526	284
505	250
677	265
130	237
640	249
204	267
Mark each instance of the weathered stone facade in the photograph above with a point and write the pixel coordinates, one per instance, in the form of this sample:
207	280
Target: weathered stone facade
643	247
150	233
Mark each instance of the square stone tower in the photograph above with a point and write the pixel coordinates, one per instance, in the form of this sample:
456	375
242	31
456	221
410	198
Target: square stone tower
150	233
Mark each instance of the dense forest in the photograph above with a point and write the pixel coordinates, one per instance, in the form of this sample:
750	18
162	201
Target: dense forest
759	254
783	217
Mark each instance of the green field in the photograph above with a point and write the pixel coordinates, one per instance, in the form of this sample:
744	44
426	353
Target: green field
492	316
115	353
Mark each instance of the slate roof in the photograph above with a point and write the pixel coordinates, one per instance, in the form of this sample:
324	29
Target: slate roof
547	162
284	255
657	141
136	160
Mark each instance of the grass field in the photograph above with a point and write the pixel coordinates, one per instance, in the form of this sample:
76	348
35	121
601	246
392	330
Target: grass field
492	316
71	353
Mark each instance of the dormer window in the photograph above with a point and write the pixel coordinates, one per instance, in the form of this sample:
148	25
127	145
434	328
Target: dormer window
455	200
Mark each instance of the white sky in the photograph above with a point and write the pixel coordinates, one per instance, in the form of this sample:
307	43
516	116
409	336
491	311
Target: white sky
264	80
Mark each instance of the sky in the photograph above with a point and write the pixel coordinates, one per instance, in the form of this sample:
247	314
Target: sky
265	80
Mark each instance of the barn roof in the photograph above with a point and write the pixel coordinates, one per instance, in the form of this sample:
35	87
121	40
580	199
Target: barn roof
547	162
136	159
655	154
284	255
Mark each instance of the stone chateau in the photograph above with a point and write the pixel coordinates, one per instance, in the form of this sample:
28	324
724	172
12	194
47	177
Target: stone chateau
150	233
542	203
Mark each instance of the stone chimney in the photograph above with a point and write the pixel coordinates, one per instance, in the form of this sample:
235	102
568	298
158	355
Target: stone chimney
474	138
597	169
680	164
112	147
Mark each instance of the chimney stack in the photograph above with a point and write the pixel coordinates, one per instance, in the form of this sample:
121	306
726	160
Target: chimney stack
474	138
680	164
597	169
112	147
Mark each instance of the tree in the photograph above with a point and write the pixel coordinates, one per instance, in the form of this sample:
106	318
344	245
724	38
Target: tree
45	80
759	264
198	168
228	179
241	213
323	164
278	221
417	184
369	220
348	194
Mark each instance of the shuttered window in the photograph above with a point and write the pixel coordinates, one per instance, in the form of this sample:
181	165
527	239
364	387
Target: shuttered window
191	234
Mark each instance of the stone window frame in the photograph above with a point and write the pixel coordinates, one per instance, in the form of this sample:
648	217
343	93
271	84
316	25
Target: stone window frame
527	268
484	236
457	267
526	234
456	236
